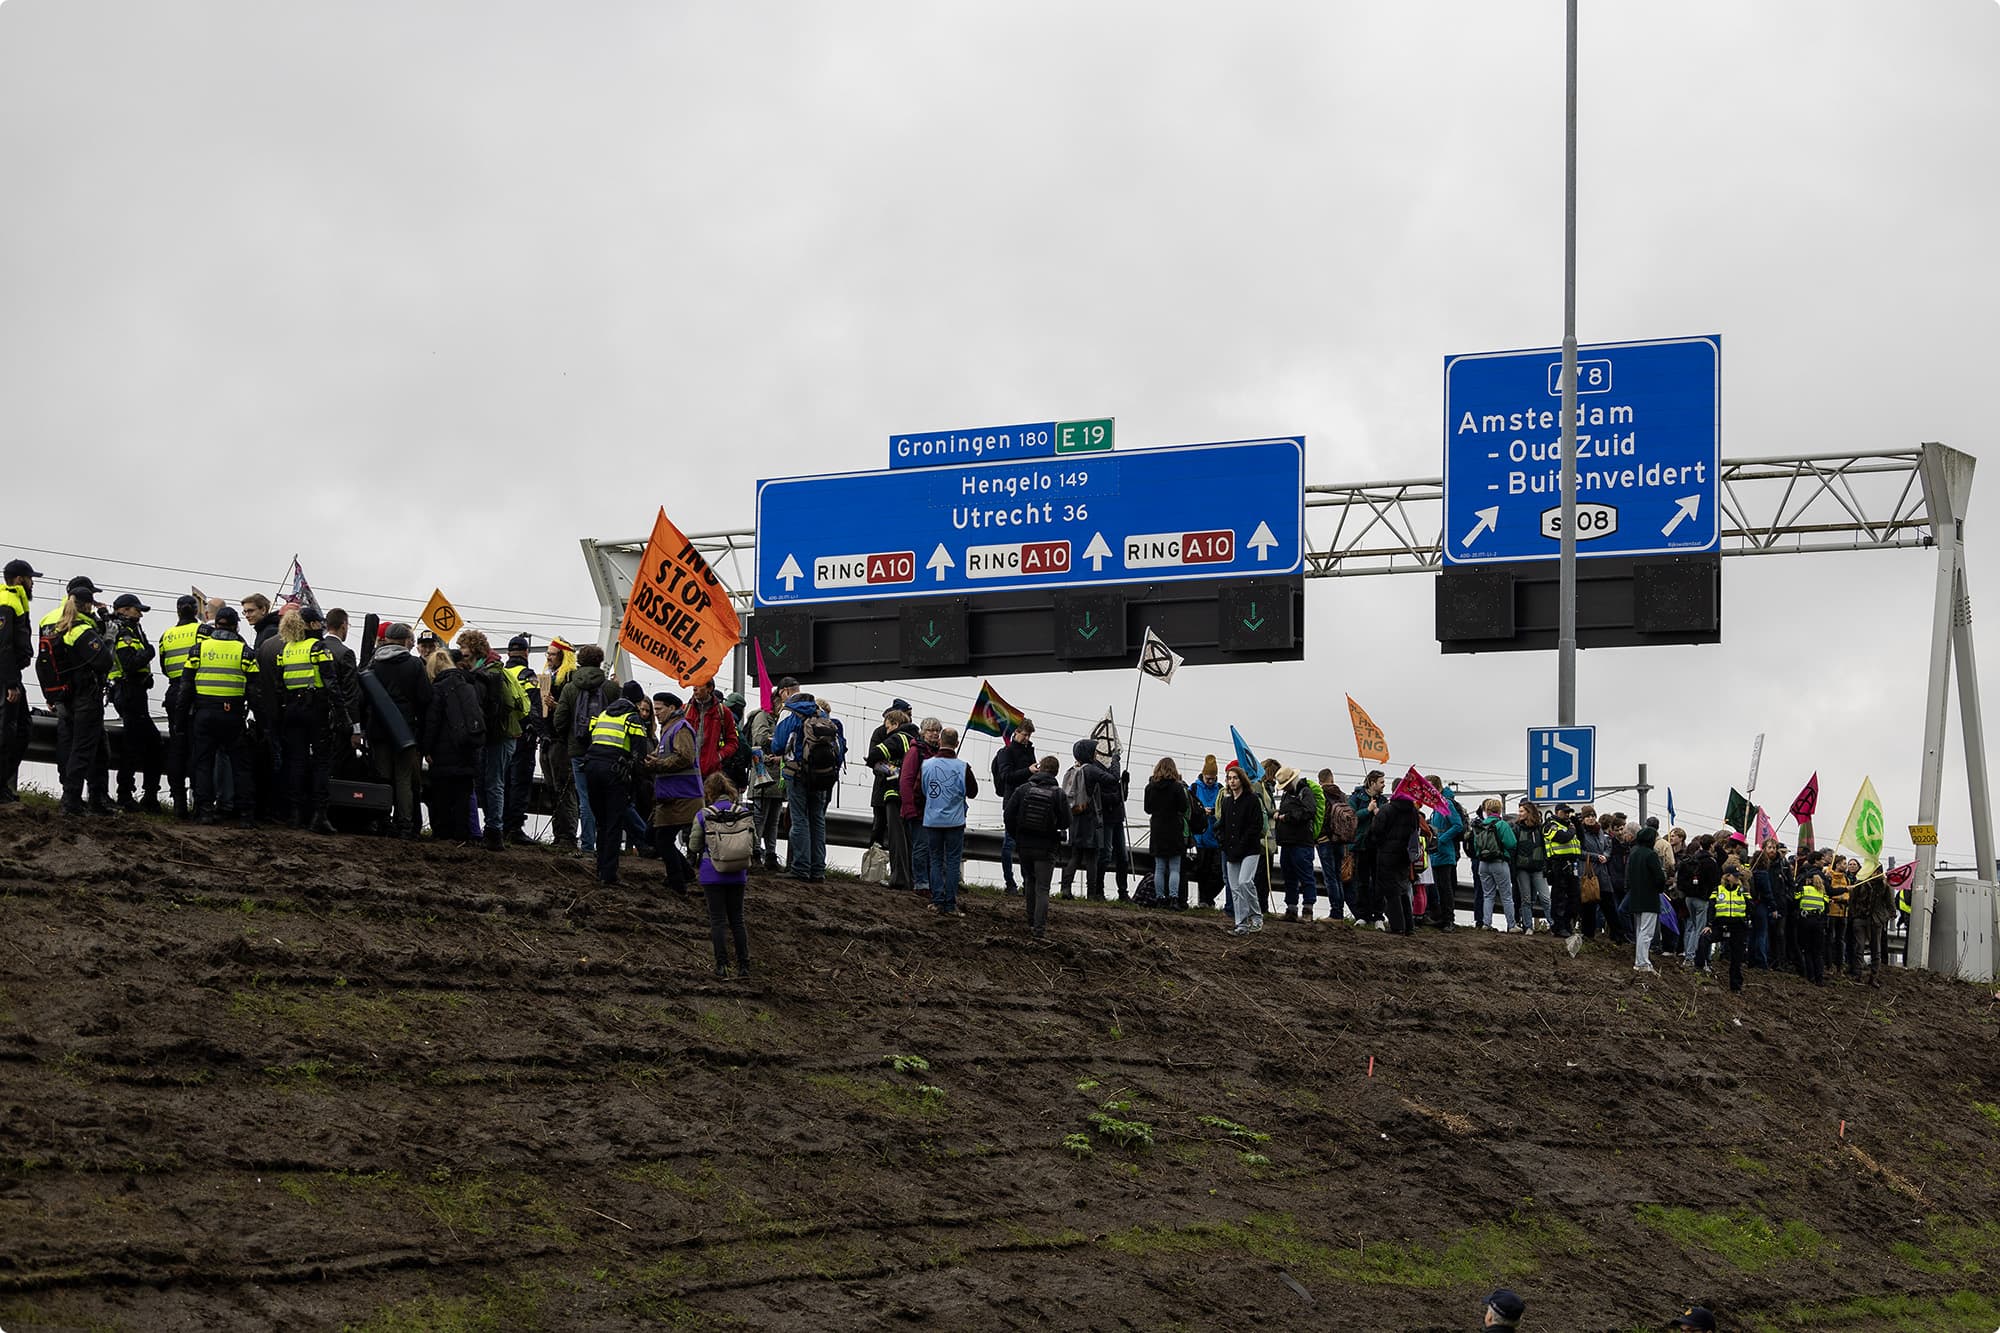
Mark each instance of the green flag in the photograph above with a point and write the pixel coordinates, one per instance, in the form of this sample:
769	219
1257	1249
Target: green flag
1738	816
1863	831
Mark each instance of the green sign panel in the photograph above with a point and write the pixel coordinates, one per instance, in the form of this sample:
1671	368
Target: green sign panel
1084	437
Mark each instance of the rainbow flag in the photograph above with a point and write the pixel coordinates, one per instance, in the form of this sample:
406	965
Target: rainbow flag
992	715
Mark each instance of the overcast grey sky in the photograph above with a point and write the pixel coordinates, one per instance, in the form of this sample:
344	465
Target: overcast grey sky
428	291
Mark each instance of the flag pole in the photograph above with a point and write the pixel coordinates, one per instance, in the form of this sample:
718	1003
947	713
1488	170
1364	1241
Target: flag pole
280	597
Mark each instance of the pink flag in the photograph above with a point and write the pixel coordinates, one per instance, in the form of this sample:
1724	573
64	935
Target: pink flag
1764	829
764	699
1419	789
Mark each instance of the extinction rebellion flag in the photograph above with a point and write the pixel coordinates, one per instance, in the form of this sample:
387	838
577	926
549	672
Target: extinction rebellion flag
1806	804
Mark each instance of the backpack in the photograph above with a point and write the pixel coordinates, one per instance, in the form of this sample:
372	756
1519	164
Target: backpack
819	753
515	715
1038	812
1073	787
729	838
1319	807
1341	823
463	717
1486	844
589	703
52	666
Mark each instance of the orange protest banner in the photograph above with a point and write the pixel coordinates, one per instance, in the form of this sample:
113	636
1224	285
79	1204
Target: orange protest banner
1369	742
441	616
678	617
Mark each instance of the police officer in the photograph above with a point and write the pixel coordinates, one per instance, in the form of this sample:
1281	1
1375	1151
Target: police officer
220	666
175	645
521	772
1732	920
17	652
313	715
80	660
617	741
130	683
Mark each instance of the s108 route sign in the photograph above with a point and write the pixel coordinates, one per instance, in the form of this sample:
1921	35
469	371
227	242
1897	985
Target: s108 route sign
1234	509
1648	450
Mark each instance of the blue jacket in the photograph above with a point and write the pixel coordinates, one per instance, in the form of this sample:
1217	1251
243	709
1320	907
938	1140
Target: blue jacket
947	782
789	738
1207	791
1447	825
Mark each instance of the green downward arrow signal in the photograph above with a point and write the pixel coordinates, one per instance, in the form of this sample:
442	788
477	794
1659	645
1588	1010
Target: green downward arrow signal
1254	621
777	645
1086	629
931	636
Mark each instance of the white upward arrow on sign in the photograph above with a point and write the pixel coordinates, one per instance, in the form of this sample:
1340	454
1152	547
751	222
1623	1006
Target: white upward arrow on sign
789	573
1097	553
1261	541
939	562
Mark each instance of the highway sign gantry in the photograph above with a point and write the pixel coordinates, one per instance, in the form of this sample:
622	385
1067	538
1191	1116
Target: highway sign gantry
1649	448
1208	511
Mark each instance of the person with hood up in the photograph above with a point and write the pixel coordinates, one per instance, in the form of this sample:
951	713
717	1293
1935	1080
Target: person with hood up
1036	813
585	693
616	741
1091	789
454	728
1645	881
1395	824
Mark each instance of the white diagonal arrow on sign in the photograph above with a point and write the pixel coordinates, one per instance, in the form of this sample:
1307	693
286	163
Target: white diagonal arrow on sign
939	562
1689	506
1097	552
1489	521
1261	541
789	573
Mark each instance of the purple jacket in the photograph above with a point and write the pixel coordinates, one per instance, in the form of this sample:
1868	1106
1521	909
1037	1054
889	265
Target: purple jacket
684	785
707	873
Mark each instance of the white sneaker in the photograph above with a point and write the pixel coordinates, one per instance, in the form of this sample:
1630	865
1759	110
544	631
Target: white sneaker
1644	967
1528	929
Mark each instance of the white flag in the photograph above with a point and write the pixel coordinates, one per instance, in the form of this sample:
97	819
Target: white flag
1105	733
1156	659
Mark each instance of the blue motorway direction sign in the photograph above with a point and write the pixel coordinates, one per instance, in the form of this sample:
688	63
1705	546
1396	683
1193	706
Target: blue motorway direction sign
1562	764
1202	511
1648	448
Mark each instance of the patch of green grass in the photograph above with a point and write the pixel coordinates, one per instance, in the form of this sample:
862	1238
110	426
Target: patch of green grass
907	1064
311	1073
500	1309
1234	1130
299	1188
1483	1254
922	1102
658	1174
1125	1133
1949	1313
55	1312
1748	1165
1990	1111
1742	1238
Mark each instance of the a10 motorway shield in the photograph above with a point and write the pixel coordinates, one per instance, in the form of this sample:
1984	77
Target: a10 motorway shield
1649	437
1226	510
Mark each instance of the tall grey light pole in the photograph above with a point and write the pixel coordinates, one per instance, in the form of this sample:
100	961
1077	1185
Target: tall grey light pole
1566	578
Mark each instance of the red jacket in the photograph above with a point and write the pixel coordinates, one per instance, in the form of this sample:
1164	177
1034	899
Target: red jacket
715	726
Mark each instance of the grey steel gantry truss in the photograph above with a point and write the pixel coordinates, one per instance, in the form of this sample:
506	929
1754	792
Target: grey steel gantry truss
1793	504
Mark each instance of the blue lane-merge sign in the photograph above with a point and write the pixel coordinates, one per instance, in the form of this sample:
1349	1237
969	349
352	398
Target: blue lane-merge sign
1649	447
1204	511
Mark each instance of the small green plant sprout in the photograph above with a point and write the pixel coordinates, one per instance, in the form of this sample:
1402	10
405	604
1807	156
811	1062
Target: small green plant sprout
1253	1160
932	1094
1124	1133
1077	1145
907	1064
1087	1085
1235	1131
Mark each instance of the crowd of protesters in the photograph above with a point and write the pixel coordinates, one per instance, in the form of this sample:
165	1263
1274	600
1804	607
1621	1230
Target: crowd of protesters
266	721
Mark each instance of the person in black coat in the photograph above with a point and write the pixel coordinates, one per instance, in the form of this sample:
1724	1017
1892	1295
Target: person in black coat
1239	828
453	751
1012	765
1037	815
1395	824
408	687
1167	833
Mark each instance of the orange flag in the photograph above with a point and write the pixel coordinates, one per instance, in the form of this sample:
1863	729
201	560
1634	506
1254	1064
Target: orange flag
678	617
1369	742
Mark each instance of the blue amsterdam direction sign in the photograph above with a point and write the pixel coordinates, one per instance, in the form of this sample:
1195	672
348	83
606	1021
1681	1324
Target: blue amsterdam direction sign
1205	511
1649	446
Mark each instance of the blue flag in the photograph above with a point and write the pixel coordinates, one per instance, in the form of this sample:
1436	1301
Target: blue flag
1671	821
1252	770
